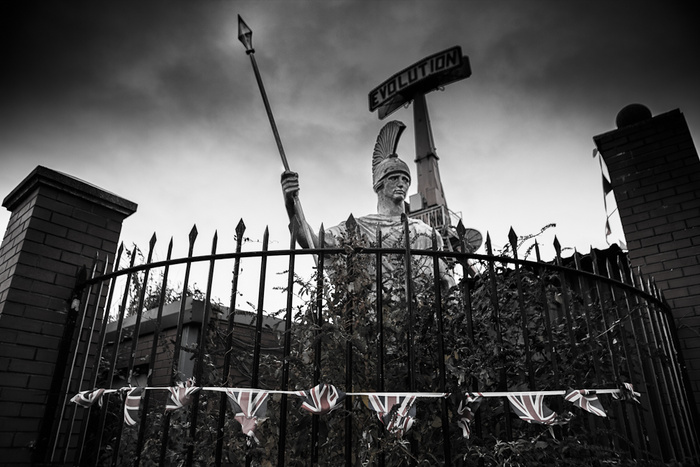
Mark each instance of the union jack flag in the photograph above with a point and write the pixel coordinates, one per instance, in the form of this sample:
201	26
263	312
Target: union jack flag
587	400
467	407
531	408
626	393
132	405
321	399
181	395
397	413
250	407
87	398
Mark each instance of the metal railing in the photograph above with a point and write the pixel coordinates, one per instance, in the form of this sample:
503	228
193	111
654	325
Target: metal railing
367	327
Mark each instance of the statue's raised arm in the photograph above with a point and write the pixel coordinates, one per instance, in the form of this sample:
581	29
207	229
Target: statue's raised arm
391	179
290	189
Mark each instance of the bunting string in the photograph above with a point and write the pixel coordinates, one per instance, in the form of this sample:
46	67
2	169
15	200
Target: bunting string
555	392
396	410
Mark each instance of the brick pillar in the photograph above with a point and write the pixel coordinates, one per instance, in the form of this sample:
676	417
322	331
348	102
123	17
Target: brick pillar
655	174
58	224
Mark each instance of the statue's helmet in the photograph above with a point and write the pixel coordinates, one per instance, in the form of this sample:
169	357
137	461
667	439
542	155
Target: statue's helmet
385	161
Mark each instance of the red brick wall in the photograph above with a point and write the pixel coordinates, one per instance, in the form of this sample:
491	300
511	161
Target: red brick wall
655	174
57	225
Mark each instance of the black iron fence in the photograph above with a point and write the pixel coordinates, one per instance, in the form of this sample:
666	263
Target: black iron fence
371	321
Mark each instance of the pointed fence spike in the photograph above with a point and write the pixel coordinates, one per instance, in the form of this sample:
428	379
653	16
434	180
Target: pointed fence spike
661	295
594	261
240	228
461	230
537	252
621	272
637	278
153	241
643	283
193	233
557	246
577	260
513	239
351	224
609	268
133	257
321	236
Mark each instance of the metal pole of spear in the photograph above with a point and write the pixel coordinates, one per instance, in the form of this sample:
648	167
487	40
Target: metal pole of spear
245	35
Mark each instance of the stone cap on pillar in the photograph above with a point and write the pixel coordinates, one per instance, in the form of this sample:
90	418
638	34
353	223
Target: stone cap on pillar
43	176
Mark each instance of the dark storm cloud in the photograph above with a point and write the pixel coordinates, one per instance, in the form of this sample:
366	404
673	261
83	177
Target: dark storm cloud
573	51
122	58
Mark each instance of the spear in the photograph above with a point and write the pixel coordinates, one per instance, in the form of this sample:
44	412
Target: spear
245	35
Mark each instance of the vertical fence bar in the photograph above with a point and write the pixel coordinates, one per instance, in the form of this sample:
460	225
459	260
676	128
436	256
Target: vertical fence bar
665	348
351	225
115	355
591	329
547	320
378	286
281	445
380	310
137	328
616	366
668	339
465	290
649	413
513	238
638	434
466	295
566	302
259	317
100	351
72	314
647	362
317	341
502	383
408	287
152	356
201	352
240	230
86	355
96	364
594	422
175	365
441	353
139	311
255	378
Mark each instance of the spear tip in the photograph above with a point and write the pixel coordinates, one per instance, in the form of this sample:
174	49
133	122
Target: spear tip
245	35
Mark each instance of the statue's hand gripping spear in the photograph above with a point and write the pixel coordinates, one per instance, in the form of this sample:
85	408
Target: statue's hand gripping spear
245	35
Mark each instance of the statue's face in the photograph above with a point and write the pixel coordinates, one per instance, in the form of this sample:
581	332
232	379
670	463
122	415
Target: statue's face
395	187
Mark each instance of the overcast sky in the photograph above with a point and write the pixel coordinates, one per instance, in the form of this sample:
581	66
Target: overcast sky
157	103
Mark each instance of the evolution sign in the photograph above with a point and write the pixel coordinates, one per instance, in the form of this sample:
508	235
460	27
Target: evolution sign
423	76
